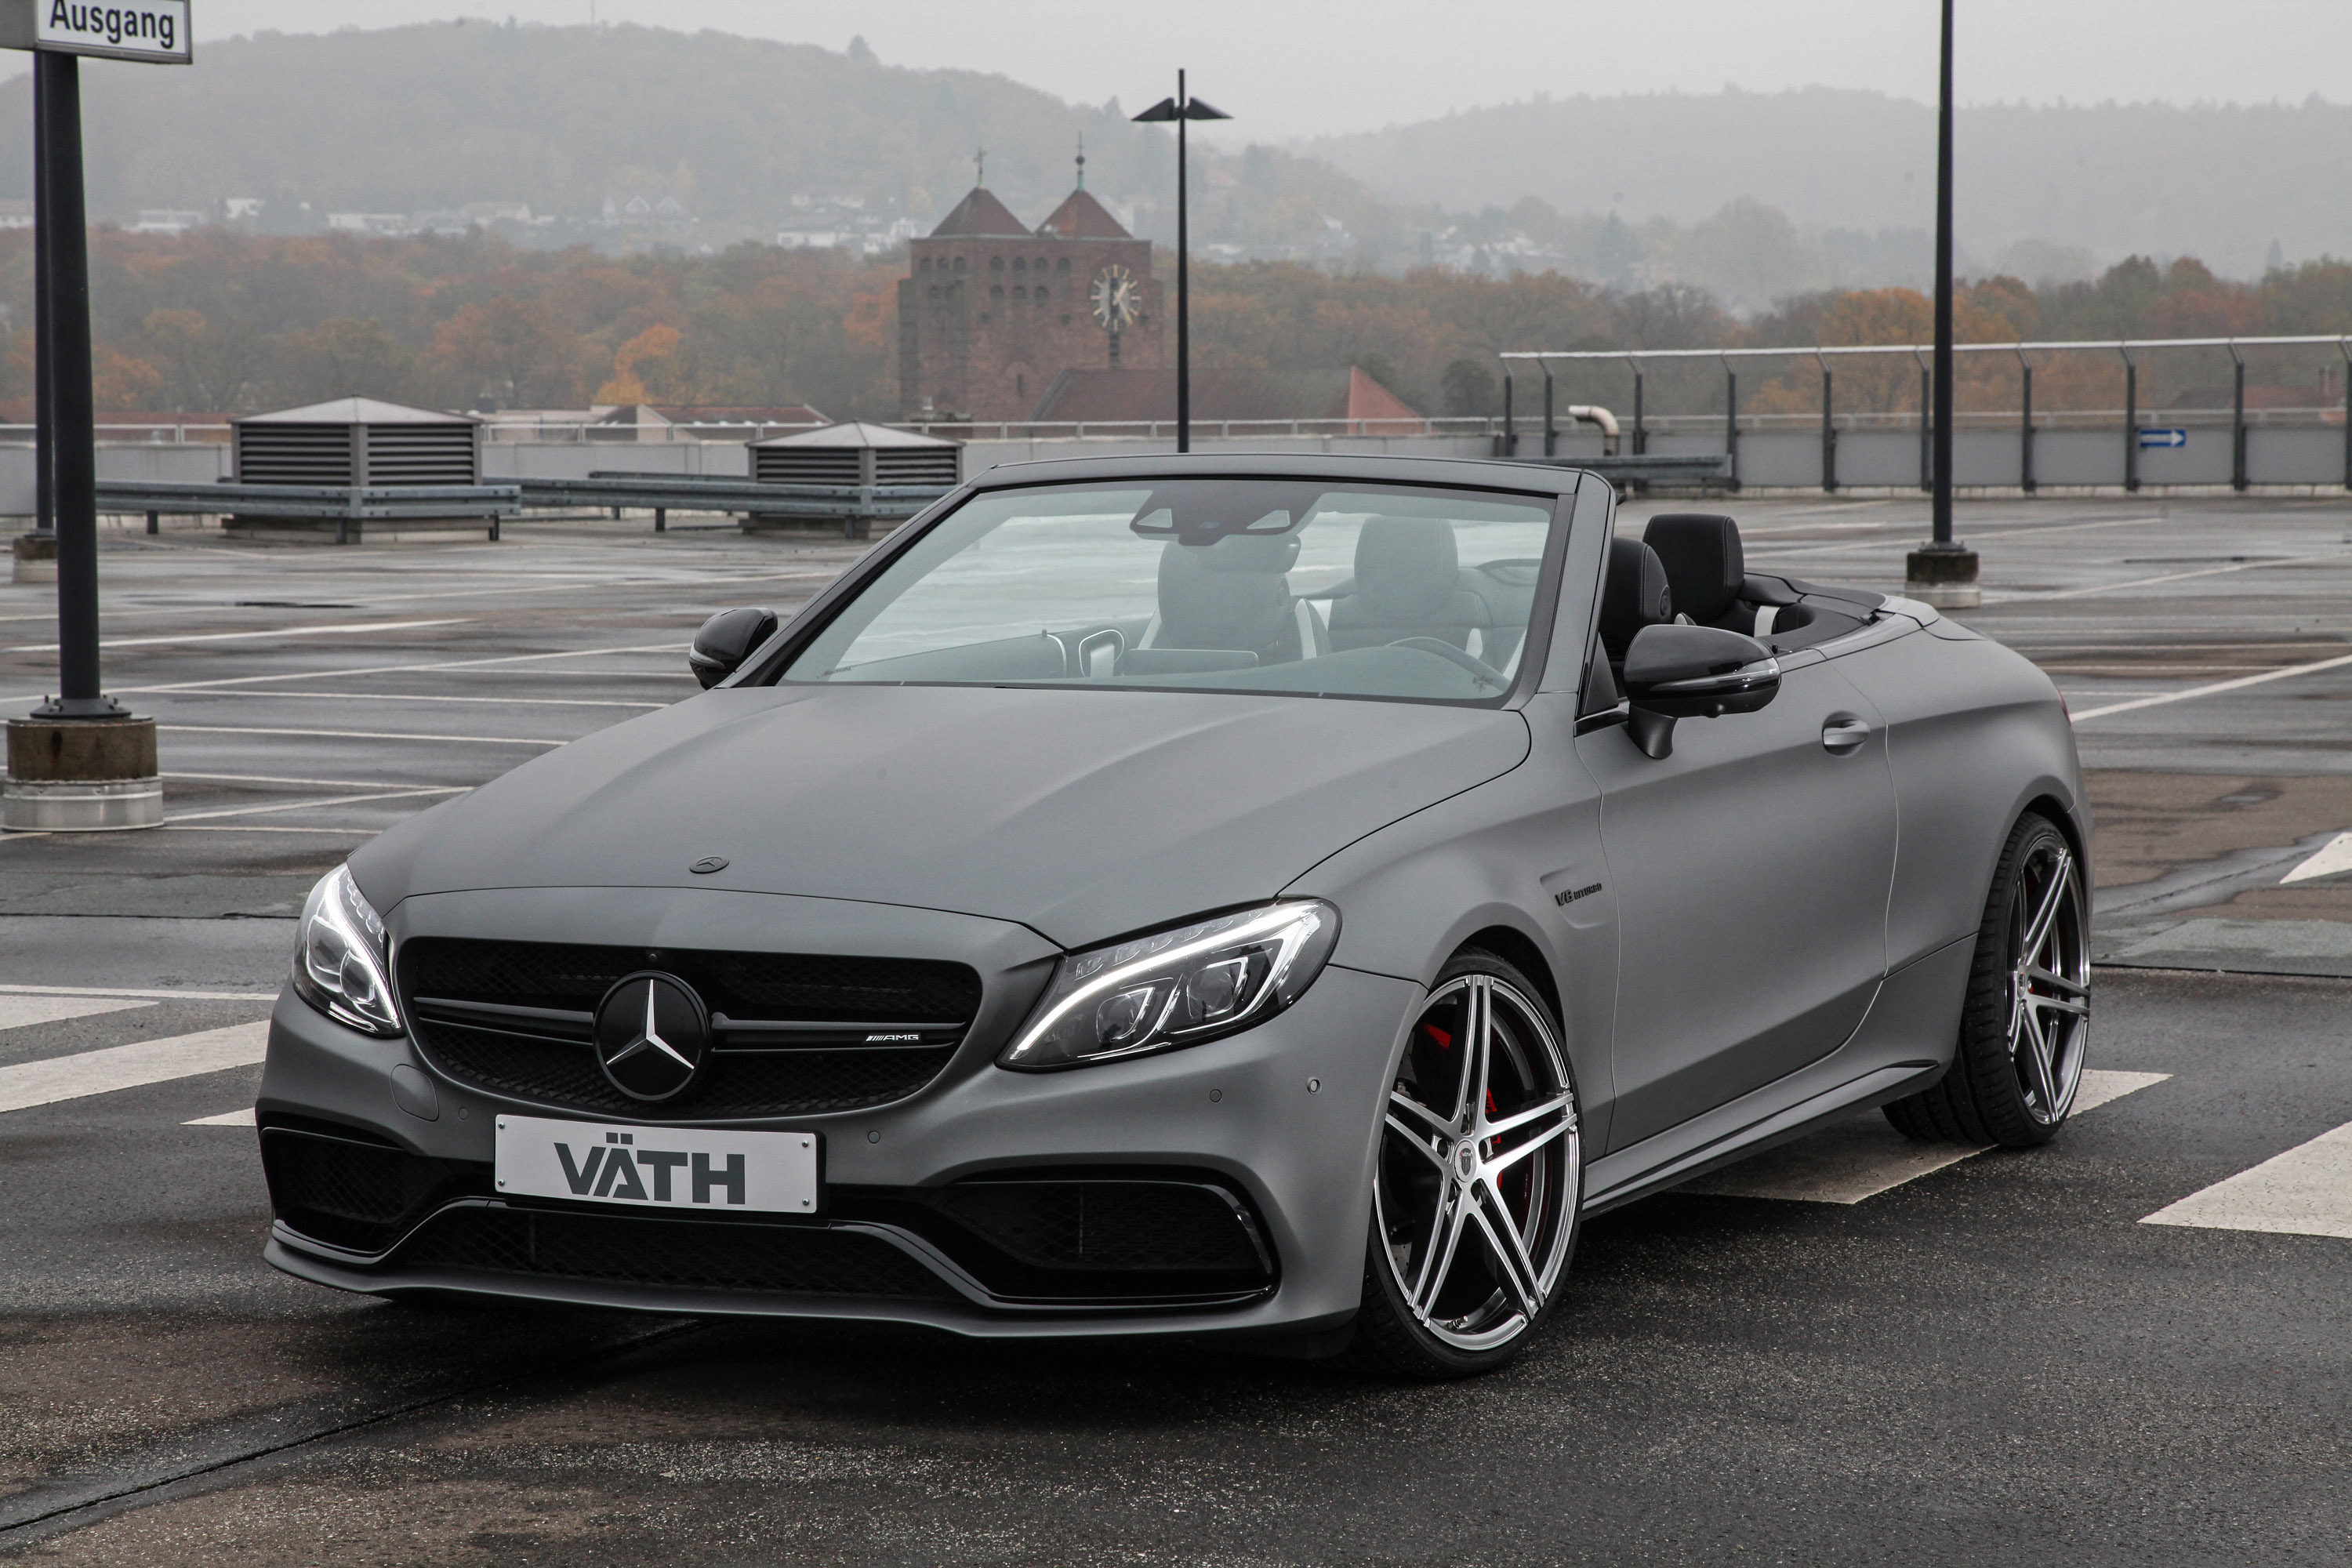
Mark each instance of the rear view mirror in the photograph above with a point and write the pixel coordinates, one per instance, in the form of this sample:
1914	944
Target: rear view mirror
726	640
1692	673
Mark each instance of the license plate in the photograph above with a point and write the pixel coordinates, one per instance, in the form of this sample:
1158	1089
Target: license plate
657	1167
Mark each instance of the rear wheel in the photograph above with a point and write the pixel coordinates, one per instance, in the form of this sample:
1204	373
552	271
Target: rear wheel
2026	1025
1478	1182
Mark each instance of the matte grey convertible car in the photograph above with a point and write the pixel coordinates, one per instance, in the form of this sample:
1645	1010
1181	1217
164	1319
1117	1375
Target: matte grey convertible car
1276	896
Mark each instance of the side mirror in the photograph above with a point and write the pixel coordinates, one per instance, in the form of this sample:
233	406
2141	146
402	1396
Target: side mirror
726	640
1692	673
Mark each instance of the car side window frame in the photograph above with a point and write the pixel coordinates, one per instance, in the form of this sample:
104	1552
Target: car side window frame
1576	619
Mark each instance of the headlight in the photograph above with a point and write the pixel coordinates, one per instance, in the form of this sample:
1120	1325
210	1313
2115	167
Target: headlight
1176	987
339	958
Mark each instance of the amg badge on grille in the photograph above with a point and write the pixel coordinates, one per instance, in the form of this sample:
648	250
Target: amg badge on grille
652	1035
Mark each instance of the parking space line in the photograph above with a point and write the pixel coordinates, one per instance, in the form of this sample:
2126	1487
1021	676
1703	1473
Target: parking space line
226	1119
18	1012
1861	1158
2243	681
2172	577
424	697
275	779
451	664
27	1084
355	735
247	637
2306	1191
2334	858
10	989
314	804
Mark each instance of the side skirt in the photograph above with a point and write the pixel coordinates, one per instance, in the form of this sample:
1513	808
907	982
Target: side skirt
1902	1045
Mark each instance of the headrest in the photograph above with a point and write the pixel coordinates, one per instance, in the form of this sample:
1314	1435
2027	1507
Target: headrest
1225	595
1704	562
1406	567
1633	595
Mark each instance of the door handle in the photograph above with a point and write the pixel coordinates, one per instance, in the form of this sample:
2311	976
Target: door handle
1844	734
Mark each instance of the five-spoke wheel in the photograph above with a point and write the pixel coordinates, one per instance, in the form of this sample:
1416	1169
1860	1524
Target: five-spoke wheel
1479	1180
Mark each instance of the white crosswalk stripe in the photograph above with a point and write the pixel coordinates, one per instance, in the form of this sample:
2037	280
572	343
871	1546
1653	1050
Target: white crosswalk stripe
2306	1191
21	1012
226	1119
1859	1159
27	1084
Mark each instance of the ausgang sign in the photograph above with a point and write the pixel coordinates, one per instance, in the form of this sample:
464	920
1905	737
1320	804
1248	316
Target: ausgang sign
155	31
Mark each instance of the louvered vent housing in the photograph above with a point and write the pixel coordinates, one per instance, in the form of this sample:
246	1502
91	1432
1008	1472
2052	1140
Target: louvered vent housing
421	454
915	465
295	453
807	465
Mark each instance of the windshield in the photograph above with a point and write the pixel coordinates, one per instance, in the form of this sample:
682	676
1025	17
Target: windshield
1220	584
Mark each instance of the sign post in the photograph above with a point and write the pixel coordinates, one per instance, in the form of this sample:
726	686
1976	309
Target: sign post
82	763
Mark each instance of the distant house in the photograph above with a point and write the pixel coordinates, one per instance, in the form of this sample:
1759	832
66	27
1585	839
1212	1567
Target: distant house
389	225
166	220
700	422
17	212
1324	397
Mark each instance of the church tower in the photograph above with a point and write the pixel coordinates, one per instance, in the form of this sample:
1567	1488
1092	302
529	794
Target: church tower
992	311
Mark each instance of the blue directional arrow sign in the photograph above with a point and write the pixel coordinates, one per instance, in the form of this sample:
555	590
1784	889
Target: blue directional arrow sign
2163	438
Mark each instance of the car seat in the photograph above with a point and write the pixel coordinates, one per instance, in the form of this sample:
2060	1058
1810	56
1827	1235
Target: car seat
1234	596
1408	582
1706	568
1635	595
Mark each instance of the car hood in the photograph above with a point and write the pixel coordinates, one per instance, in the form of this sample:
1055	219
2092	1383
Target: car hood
1081	815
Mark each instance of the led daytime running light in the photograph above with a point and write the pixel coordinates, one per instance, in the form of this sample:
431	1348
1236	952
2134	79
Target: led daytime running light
340	964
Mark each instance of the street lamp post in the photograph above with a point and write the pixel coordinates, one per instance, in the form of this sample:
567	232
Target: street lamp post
1943	572
1181	108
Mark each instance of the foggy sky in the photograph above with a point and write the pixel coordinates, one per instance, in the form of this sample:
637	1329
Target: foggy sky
1294	69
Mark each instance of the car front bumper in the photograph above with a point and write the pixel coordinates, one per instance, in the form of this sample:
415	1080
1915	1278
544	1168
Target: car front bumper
1284	1117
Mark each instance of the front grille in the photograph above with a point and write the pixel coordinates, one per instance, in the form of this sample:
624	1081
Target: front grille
677	1254
355	1193
533	1041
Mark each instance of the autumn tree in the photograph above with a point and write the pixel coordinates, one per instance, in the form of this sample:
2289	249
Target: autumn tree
508	346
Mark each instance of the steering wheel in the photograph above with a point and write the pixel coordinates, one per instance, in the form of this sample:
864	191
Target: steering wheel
1483	673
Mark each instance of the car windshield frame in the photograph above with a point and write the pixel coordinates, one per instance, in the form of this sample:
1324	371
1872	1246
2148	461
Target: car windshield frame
773	666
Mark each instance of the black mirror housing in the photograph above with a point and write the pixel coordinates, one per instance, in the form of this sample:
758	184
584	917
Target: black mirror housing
1692	673
726	640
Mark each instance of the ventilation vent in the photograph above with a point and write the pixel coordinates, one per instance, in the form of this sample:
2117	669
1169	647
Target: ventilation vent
295	454
915	465
807	465
420	455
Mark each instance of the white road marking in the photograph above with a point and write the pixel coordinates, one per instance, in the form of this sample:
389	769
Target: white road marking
2173	577
1851	1160
2307	1190
245	637
314	804
433	697
2334	856
354	735
317	783
226	1119
2243	680
223	827
459	664
17	1012
27	1084
1910	541
15	990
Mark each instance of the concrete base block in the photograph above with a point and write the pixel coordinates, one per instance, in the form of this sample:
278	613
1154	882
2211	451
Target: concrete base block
107	805
1943	576
34	558
1946	596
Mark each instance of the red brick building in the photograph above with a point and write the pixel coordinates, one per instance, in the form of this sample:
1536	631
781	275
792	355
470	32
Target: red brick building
992	311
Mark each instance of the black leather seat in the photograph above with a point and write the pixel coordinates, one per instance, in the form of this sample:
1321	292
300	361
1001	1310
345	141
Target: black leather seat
1635	595
1408	582
1704	566
1233	595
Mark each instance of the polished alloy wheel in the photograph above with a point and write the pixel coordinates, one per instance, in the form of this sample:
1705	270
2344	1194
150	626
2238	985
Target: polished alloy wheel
2048	981
1480	1167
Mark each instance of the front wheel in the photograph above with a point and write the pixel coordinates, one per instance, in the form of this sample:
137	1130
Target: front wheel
1478	1180
2026	1025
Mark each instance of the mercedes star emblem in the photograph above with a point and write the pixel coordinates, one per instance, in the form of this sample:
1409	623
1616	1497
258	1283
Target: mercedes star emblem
652	1035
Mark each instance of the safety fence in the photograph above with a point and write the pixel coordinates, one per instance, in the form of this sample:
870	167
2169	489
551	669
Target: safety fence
2129	413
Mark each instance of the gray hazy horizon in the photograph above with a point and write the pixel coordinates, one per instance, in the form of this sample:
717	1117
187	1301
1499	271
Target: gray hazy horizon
1296	71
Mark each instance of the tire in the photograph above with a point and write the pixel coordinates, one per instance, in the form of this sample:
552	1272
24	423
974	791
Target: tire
2025	1023
1459	1177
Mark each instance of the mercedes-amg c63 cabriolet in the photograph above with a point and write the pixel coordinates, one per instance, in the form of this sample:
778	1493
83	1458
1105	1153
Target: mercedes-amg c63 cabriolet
1266	896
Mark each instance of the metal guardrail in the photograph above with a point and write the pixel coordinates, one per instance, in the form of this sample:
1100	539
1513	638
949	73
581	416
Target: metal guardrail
1691	468
342	505
854	505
